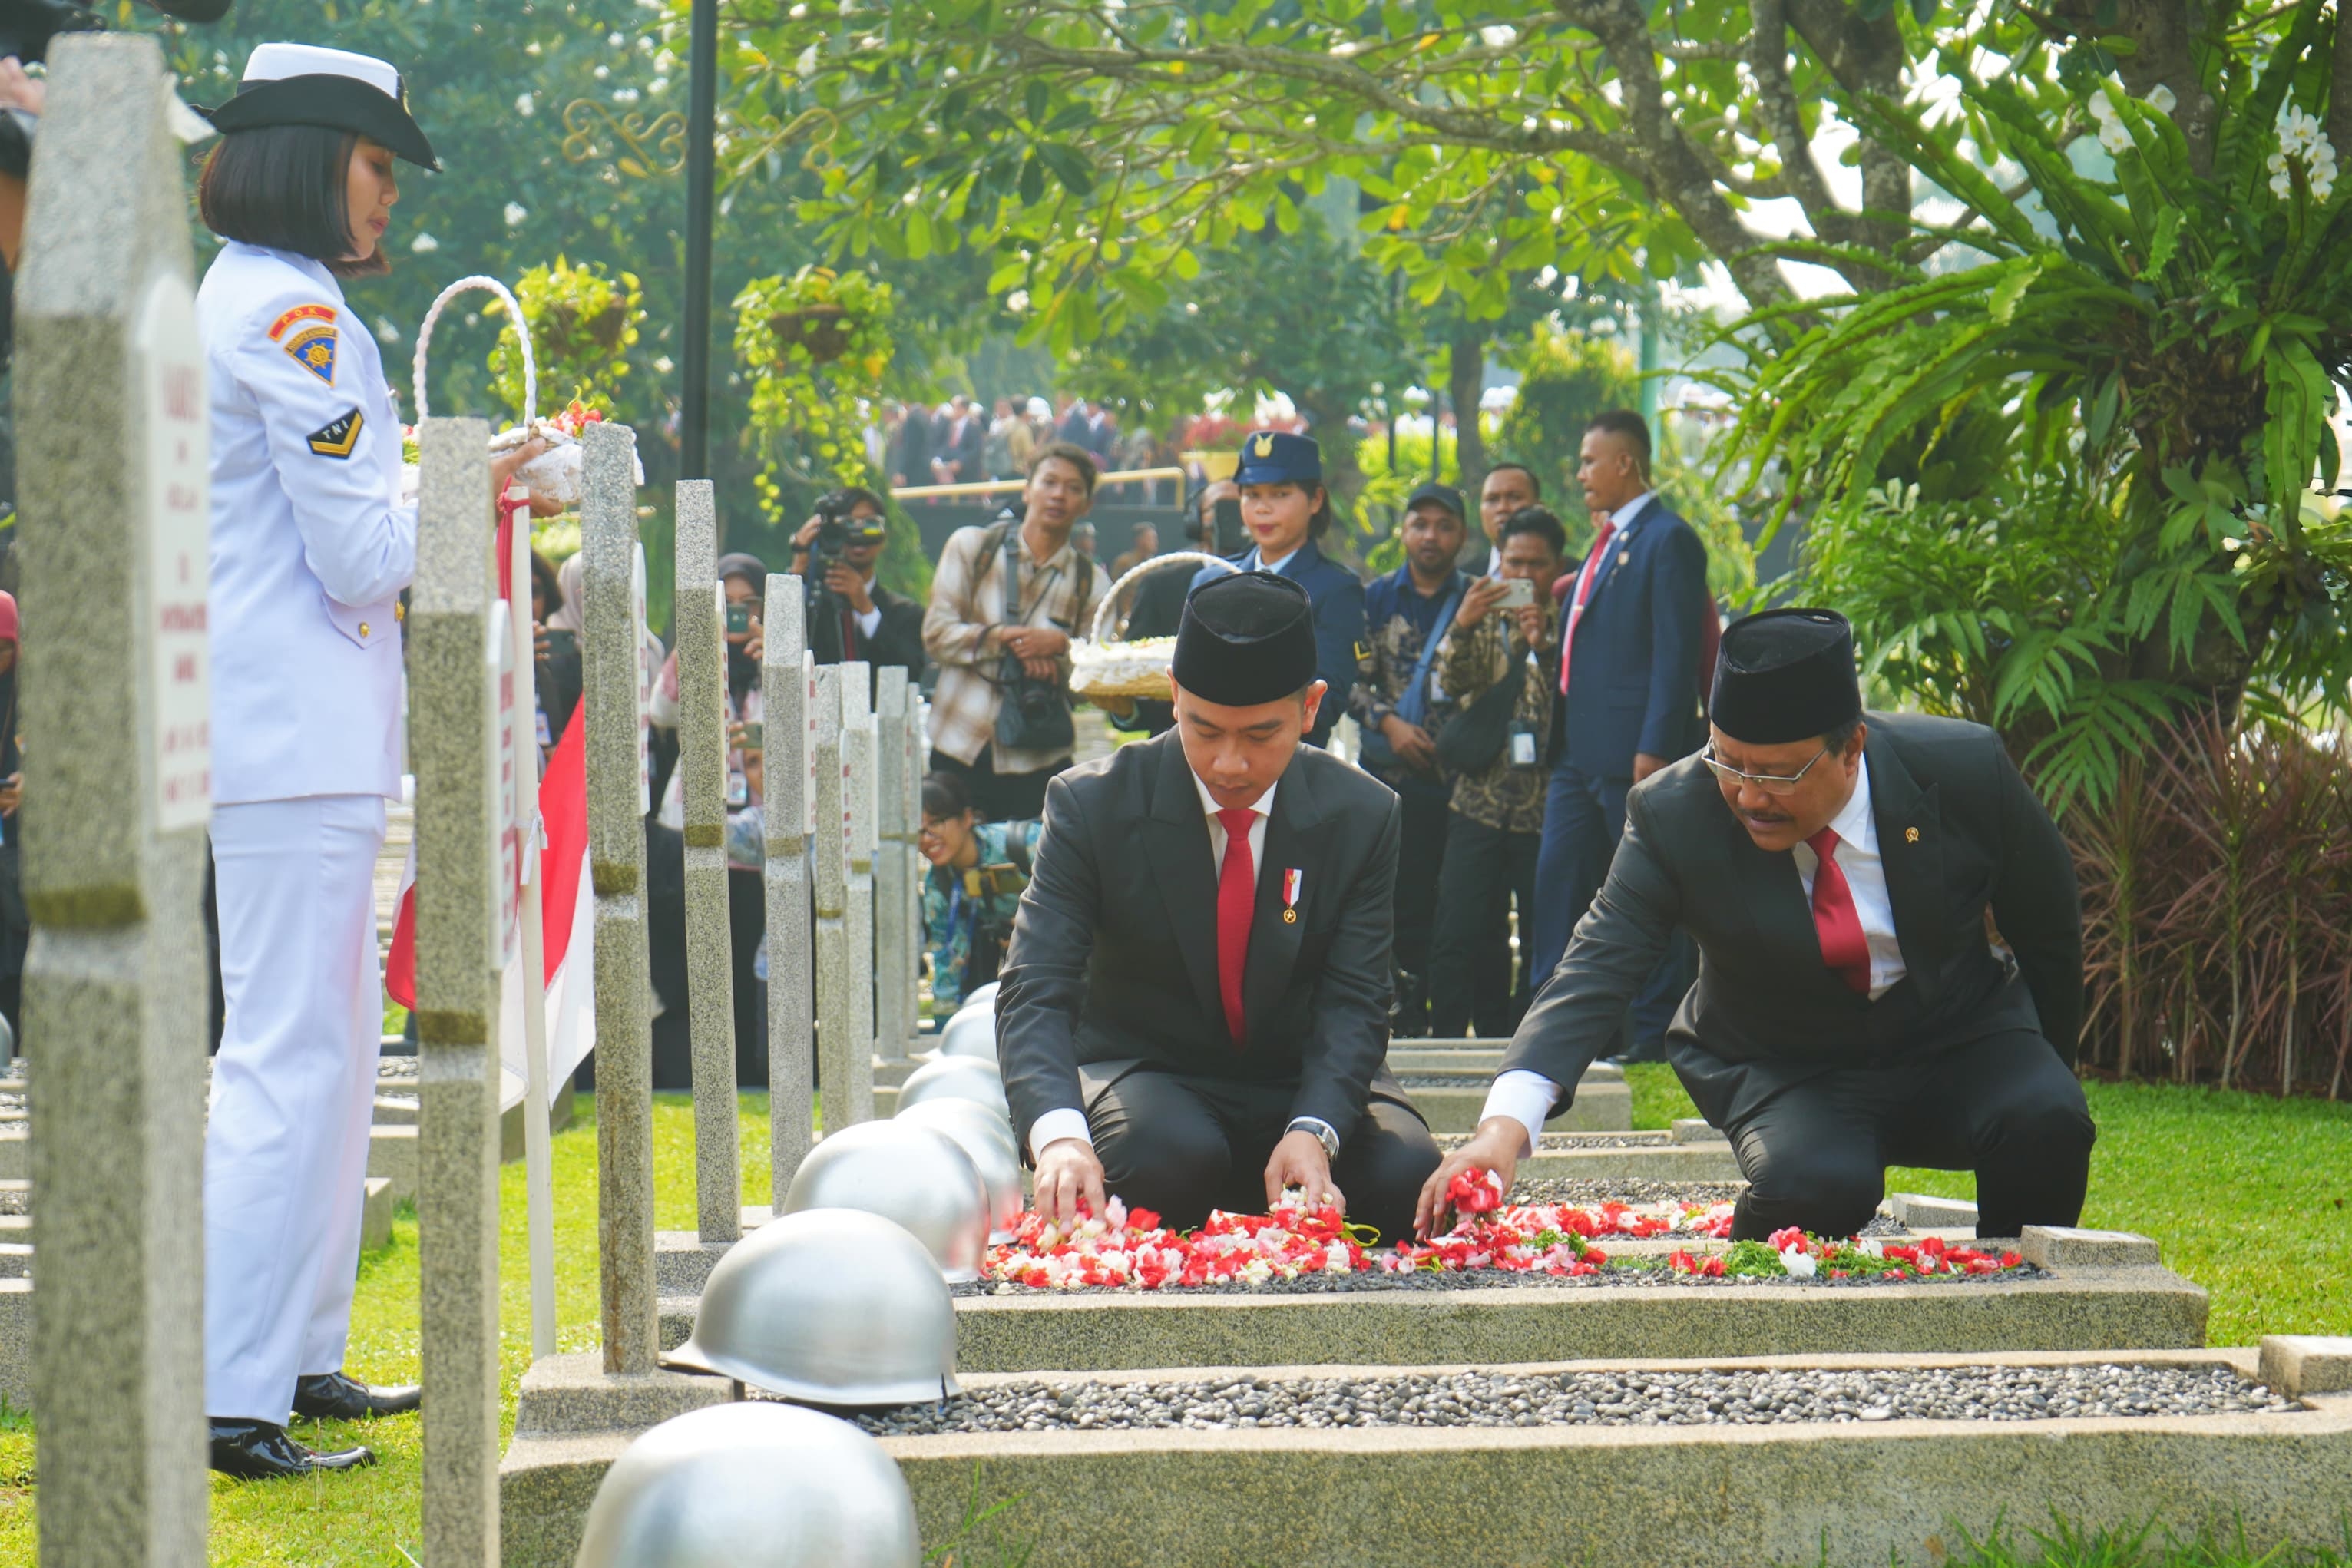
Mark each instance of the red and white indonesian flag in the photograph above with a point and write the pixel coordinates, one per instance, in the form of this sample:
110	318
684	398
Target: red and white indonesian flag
566	909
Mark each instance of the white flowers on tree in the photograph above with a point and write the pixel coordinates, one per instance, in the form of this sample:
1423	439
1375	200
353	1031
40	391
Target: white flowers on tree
2114	134
2301	141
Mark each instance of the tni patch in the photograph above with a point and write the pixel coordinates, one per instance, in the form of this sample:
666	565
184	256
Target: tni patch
313	349
338	438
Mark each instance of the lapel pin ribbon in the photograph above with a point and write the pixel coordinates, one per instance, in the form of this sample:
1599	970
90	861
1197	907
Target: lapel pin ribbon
1291	881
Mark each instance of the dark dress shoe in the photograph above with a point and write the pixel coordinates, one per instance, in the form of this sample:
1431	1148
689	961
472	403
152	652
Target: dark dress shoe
332	1396
261	1451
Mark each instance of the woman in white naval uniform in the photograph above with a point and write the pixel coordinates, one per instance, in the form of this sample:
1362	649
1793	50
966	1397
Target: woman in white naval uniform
310	549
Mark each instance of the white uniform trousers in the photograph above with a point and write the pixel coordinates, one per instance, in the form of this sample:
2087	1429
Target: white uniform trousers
293	1094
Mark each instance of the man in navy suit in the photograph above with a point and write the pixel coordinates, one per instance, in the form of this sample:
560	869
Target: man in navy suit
1634	619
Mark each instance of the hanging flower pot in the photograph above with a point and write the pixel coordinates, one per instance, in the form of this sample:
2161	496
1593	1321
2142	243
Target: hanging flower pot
822	330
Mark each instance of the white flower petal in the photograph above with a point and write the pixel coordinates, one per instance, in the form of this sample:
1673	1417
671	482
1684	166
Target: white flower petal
2161	100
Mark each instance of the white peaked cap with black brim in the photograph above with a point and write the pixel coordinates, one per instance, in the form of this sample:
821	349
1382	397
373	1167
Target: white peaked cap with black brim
302	84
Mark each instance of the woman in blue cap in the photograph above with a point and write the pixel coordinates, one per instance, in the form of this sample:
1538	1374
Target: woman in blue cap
1287	509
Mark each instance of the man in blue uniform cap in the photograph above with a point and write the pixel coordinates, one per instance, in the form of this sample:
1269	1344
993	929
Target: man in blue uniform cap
1287	509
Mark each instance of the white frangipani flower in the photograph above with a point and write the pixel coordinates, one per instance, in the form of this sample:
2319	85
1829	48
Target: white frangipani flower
805	66
2161	100
1017	301
1798	1263
525	106
516	214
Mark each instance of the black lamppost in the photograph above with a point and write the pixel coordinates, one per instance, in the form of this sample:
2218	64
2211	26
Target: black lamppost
702	157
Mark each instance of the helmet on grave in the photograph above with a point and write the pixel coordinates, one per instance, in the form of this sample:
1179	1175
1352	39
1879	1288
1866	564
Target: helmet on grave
903	1171
751	1486
832	1307
956	1078
983	997
986	1137
971	1033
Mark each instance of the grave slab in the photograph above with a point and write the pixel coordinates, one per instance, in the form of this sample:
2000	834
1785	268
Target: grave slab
1663	1495
375	1214
2304	1364
391	1154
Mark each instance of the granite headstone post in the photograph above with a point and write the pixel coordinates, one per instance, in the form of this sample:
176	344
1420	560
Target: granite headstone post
709	945
918	719
858	750
459	654
785	680
617	860
113	438
836	1011
894	949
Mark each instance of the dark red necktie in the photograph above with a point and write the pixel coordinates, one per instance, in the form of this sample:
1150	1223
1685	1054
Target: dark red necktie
1237	900
1835	920
1584	592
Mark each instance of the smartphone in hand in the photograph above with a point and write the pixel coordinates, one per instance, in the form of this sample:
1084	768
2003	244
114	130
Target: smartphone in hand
1519	593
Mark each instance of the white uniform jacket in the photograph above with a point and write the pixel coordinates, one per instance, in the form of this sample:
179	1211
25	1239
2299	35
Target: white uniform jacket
310	546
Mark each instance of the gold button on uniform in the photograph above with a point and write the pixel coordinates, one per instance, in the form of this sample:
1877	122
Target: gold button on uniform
363	629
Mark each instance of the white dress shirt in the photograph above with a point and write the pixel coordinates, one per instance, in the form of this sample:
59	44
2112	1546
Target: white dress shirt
1527	1096
1069	1121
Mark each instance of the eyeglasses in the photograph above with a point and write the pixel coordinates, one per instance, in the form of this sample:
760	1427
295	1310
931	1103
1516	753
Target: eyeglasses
1770	784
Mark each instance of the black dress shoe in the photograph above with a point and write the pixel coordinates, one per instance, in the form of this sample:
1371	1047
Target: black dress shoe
261	1451
332	1396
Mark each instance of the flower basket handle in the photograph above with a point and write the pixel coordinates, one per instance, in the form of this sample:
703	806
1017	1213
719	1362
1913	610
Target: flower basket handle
522	333
1173	558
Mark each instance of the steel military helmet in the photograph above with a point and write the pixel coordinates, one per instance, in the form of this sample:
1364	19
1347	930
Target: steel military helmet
753	1485
832	1307
905	1172
971	1033
956	1078
988	1138
984	997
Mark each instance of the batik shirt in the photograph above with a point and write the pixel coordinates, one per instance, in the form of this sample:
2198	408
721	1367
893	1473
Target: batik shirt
951	915
1397	624
1469	661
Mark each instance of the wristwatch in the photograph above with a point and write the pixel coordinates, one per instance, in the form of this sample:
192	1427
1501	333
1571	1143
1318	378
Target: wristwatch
1322	1134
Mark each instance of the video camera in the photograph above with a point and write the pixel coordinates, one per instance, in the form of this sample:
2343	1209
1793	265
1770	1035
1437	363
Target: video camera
837	531
28	26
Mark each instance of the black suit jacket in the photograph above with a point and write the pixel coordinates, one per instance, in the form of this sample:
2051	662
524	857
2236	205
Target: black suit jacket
1113	961
1958	832
898	640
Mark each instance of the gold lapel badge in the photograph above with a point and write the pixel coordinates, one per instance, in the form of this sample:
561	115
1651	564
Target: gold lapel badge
1910	835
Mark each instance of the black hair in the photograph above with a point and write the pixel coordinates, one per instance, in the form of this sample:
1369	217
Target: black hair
944	796
1535	485
544	579
1539	521
1837	739
1320	523
852	497
1632	426
1075	456
283	187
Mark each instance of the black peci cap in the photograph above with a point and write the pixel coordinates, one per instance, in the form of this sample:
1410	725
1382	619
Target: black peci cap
1783	675
1246	638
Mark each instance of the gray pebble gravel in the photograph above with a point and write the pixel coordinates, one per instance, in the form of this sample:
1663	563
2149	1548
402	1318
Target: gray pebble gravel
1732	1398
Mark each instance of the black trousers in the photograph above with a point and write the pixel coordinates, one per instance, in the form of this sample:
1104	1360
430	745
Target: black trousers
999	797
1185	1144
2005	1107
1470	957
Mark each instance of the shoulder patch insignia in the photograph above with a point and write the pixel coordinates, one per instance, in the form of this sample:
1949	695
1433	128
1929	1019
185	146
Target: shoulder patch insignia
300	313
338	439
313	348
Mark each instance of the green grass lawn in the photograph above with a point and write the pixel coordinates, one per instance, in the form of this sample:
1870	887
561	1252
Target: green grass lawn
2247	1195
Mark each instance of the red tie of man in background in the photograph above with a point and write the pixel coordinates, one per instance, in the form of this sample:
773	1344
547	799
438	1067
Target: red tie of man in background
1584	592
1236	899
1843	948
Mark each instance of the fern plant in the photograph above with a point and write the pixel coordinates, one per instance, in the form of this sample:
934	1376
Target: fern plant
2154	331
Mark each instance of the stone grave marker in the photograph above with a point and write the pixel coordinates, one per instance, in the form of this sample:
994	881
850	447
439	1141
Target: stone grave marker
834	975
788	680
112	442
710	949
857	823
610	707
894	940
461	682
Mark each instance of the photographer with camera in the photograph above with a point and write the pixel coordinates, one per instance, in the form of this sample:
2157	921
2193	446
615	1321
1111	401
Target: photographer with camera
1005	603
850	615
972	889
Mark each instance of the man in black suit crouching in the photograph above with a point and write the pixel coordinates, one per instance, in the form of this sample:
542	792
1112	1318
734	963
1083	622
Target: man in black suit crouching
1194	1004
1851	1012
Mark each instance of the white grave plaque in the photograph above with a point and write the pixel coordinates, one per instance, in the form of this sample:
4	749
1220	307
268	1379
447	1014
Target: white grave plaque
808	746
168	374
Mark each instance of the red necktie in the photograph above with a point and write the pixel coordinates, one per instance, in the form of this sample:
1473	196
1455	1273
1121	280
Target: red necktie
1236	899
1584	592
1836	919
